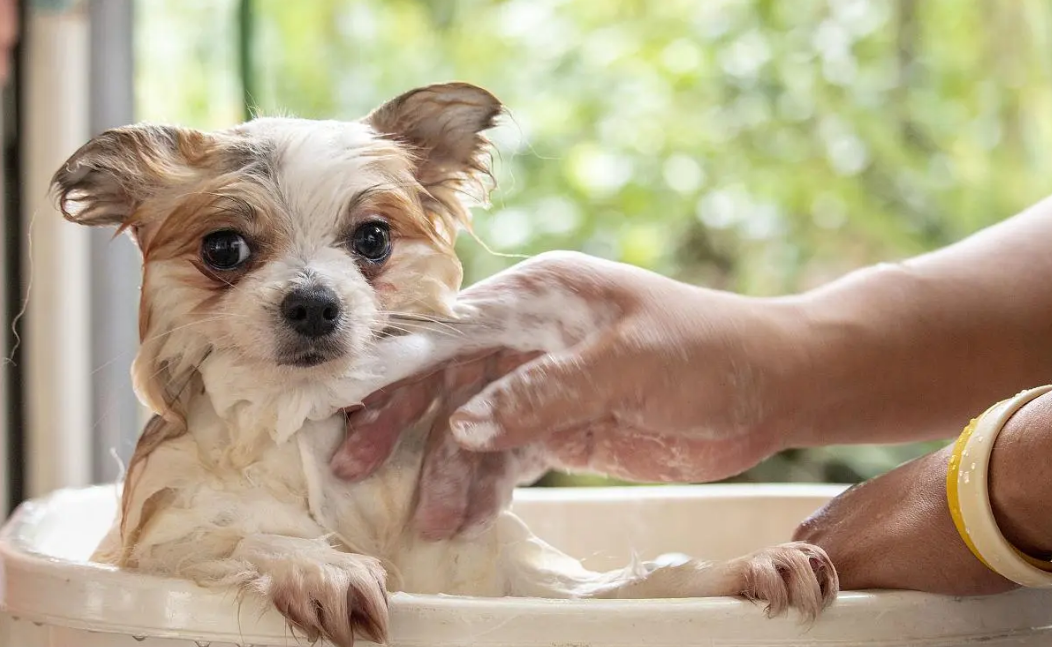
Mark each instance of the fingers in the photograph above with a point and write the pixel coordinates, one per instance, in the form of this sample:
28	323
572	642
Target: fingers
444	488
462	492
374	428
551	393
373	431
449	473
496	477
491	491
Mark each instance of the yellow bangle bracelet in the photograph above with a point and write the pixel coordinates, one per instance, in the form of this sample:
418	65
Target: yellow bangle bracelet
968	496
952	474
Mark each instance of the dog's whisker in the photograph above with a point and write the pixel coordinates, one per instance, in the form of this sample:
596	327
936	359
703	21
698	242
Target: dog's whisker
415	316
390	329
196	322
428	322
423	323
451	324
156	337
410	327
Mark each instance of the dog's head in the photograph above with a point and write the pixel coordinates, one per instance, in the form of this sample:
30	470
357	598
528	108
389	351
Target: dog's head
287	245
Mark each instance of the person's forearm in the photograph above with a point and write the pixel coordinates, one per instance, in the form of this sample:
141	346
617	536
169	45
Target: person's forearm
910	351
895	531
1020	469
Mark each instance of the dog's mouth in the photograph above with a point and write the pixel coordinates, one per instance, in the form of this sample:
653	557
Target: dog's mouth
308	359
310	355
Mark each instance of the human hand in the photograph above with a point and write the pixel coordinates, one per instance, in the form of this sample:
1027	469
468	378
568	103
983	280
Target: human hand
895	531
639	377
460	491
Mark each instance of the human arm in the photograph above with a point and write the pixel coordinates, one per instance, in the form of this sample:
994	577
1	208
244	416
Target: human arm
898	351
895	531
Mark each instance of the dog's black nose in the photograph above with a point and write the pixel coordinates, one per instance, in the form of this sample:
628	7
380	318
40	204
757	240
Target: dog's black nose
312	311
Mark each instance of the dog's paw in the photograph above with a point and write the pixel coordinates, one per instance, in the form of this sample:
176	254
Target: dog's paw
336	598
796	575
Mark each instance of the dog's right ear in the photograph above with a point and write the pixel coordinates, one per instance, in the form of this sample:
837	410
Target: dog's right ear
108	179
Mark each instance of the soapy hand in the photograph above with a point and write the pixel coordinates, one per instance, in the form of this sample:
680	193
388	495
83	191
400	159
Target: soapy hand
573	362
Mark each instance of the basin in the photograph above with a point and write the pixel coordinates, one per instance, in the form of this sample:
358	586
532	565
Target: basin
51	596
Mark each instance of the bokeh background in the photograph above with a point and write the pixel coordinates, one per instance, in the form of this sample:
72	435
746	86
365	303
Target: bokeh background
750	145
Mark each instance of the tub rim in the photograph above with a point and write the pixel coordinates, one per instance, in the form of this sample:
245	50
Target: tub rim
32	583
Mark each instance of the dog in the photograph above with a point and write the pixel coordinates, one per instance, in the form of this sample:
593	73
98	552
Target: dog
282	260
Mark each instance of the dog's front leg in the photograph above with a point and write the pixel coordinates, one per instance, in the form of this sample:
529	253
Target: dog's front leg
795	575
788	576
321	591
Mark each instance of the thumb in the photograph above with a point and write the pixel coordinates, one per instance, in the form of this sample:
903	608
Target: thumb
554	392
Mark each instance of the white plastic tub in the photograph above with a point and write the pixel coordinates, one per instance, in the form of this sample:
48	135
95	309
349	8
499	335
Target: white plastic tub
52	597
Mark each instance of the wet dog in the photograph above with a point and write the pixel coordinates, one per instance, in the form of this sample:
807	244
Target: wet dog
279	256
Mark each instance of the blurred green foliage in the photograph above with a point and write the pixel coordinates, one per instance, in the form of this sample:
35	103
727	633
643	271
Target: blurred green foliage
752	145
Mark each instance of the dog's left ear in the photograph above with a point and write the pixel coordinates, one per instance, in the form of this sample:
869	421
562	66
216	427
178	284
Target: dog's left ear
443	124
107	180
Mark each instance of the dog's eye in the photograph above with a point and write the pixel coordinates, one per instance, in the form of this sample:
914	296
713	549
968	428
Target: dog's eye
372	241
224	250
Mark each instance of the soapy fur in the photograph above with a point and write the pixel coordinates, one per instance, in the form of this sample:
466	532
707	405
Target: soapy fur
230	484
